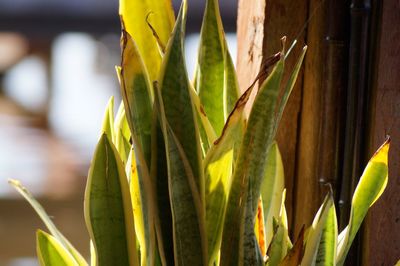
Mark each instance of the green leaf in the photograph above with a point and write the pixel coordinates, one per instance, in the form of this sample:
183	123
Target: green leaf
218	169
250	164
108	120
137	95
47	221
160	16
207	132
122	134
315	232
289	87
327	247
108	208
271	189
210	70
51	252
189	235
177	102
370	187
278	247
231	84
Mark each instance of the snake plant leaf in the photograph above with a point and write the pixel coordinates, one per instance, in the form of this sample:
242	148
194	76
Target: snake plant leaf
277	249
137	97
289	87
295	254
189	233
370	187
51	252
93	257
138	214
177	102
210	69
315	232
122	134
218	169
326	255
209	135
136	93
108	208
271	189
121	123
108	120
231	84
136	14
187	211
159	177
47	221
250	164
280	242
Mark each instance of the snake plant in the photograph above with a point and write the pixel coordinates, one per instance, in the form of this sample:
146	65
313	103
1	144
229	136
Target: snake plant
181	175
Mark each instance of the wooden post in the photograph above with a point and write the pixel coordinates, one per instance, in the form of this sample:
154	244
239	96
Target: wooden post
382	231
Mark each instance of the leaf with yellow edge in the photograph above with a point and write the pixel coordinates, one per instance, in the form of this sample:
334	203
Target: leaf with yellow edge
315	232
161	18
108	120
370	187
136	90
189	229
51	252
210	69
108	208
122	134
271	189
177	101
218	169
47	221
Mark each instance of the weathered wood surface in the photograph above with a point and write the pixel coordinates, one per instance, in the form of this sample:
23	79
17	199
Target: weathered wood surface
382	234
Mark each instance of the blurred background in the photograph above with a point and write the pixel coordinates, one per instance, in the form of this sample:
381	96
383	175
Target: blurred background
57	72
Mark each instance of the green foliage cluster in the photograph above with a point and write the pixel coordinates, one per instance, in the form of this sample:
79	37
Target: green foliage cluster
181	176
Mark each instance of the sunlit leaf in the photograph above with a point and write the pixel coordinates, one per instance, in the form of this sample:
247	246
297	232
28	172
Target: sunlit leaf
326	255
108	208
108	120
136	14
249	173
51	252
370	187
136	94
271	189
316	231
210	70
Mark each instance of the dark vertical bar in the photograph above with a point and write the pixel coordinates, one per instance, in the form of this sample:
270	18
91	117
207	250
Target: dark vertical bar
334	96
356	113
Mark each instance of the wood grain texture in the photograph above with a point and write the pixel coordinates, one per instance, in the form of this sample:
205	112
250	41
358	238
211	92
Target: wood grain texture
382	234
307	196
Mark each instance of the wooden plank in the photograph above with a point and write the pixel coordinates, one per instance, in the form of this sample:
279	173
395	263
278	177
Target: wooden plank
382	234
307	196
